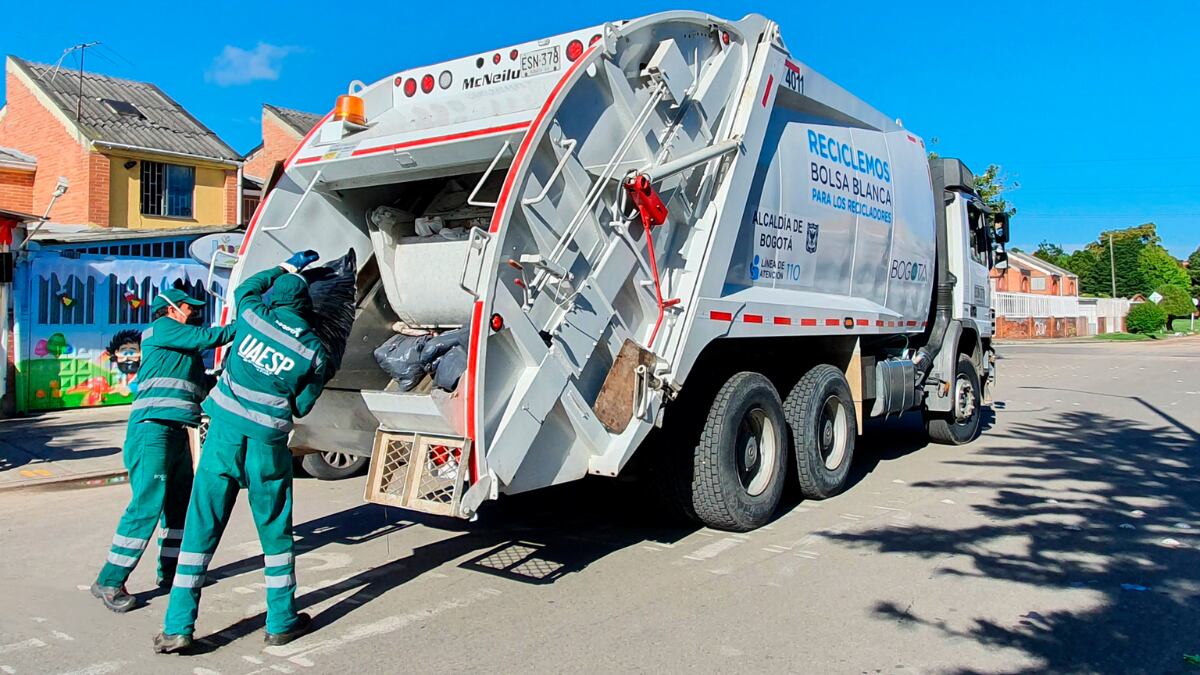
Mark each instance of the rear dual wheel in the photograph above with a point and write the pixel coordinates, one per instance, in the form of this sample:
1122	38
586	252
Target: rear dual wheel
739	463
820	412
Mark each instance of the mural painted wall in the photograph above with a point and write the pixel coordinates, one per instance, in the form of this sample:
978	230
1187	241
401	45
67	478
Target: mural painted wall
80	321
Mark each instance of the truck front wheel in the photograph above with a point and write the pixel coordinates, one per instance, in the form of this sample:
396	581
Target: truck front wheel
820	412
739	461
961	424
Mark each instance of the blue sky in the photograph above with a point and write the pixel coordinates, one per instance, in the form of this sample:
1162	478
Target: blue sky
1092	107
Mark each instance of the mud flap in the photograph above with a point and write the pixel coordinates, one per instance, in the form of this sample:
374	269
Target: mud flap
615	404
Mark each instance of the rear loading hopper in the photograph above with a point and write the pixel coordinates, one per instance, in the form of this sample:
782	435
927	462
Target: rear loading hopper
592	211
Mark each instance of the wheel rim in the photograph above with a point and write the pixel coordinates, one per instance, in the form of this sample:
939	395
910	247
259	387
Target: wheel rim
964	399
756	451
833	427
338	460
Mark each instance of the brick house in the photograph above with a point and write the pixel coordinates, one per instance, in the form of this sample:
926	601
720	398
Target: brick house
16	180
1027	274
133	157
282	131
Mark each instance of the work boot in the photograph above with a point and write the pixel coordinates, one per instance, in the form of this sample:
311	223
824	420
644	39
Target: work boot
303	625
171	644
114	597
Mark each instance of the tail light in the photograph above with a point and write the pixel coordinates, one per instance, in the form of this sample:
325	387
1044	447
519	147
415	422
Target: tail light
410	87
574	50
594	40
427	83
445	79
512	56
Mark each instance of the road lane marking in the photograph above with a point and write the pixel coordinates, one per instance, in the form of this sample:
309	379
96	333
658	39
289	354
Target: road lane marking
98	668
714	549
31	643
301	654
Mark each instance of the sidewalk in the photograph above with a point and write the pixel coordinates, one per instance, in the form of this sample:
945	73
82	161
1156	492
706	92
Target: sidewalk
81	446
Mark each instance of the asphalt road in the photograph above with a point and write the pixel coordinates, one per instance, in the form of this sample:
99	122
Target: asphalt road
1067	539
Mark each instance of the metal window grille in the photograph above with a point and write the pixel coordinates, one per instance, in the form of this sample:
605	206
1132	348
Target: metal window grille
167	189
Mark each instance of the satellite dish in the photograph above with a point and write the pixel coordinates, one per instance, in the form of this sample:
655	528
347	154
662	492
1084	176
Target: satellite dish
217	250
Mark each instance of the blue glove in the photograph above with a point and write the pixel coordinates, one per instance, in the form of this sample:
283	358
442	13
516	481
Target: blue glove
301	259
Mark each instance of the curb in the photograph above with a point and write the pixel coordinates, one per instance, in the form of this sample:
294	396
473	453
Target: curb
71	482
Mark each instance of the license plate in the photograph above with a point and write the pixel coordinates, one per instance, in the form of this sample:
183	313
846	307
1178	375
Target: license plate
540	62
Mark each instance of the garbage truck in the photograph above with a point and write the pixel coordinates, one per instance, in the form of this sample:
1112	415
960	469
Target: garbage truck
664	239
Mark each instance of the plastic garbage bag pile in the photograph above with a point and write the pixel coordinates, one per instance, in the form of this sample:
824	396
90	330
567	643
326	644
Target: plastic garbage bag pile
408	358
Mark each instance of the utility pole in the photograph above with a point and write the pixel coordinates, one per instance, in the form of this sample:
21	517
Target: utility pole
1112	265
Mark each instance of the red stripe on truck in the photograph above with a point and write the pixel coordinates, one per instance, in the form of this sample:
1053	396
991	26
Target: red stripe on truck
472	366
782	321
752	318
833	322
720	316
808	322
435	139
474	345
767	93
791	66
534	127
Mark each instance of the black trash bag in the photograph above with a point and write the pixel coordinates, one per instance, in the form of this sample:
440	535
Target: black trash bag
400	357
438	345
332	287
450	368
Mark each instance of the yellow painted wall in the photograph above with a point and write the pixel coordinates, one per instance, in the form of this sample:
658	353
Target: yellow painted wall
125	194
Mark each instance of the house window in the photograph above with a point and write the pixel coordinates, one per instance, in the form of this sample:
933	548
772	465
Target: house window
167	189
1037	283
249	204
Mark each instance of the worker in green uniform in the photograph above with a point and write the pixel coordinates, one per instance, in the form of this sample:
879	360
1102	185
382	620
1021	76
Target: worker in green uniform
275	371
169	391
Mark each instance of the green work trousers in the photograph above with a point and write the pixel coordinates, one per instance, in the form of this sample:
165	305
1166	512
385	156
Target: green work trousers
160	472
228	462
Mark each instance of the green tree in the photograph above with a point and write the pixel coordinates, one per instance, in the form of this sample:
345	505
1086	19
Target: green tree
1176	302
1124	261
1194	270
1051	253
1162	269
1093	275
992	185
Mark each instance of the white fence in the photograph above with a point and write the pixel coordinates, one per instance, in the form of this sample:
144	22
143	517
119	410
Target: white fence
1025	305
1030	305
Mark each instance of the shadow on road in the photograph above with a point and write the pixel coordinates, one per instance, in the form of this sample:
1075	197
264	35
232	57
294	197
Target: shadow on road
535	538
1134	484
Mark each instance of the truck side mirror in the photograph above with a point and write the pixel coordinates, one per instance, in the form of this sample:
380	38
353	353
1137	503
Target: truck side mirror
1000	228
1001	259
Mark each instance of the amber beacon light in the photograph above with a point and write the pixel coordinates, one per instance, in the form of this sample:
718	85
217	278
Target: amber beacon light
350	106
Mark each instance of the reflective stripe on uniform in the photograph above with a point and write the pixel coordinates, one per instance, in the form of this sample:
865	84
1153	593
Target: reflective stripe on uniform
121	560
200	559
169	383
164	402
277	335
278	560
129	542
168	552
255	396
188	580
233	407
279	580
147	333
172	534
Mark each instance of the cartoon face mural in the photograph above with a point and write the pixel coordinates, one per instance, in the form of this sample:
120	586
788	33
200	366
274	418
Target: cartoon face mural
125	350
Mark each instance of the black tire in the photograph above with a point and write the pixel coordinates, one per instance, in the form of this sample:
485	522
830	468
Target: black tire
332	465
948	428
739	463
824	429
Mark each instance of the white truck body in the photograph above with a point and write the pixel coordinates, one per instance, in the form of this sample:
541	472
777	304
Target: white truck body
796	214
